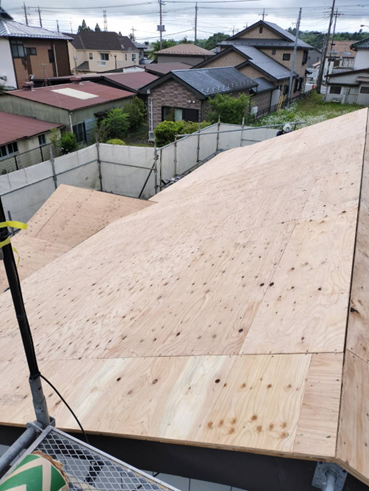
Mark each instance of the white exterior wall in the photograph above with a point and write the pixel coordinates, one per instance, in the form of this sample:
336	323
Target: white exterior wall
97	65
361	59
6	66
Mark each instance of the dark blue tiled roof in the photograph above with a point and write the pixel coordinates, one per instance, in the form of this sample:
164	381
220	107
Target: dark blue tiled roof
210	81
363	44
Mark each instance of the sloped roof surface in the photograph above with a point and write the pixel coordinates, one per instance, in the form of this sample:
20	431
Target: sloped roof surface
102	41
209	81
13	127
133	80
10	28
259	43
364	44
225	324
62	95
185	49
264	62
164	68
263	85
341	48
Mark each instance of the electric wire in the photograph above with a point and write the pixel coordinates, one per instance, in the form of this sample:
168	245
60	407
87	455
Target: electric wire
67	405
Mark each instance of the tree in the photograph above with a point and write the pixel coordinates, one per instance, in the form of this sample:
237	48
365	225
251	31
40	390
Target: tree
185	41
165	132
116	124
167	43
136	113
68	143
230	109
215	39
84	27
97	28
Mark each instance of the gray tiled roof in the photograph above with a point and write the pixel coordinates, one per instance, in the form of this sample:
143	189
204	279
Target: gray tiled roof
210	81
264	62
287	34
259	43
102	41
263	85
10	28
363	44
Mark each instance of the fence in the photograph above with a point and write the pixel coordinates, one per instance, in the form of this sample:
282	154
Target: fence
25	159
137	172
275	108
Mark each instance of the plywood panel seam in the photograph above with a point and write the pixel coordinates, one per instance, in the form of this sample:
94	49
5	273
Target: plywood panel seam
351	282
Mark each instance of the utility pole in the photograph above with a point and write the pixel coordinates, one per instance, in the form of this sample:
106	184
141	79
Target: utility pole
105	21
322	64
161	28
39	16
25	12
196	9
294	57
71	27
263	15
133	33
57	25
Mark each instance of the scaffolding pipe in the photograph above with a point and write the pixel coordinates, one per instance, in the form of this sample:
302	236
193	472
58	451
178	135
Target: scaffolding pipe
24	441
243	129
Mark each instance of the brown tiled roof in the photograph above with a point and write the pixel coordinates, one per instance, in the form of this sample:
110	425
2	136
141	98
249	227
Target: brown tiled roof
185	49
133	80
342	48
13	127
52	96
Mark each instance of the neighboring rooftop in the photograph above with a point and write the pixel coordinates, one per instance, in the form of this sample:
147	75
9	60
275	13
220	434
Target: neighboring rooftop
10	28
363	44
341	49
102	40
263	85
72	96
14	128
164	68
277	29
131	81
185	49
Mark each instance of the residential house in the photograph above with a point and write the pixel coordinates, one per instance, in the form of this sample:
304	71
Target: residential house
27	51
183	53
314	56
361	48
78	105
160	69
101	51
265	50
20	135
350	87
184	94
144	49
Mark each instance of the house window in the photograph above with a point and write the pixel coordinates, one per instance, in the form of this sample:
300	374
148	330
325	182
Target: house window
305	57
364	90
296	85
51	56
17	48
179	114
133	56
286	56
90	56
104	56
8	150
260	29
31	51
274	51
80	131
42	140
335	89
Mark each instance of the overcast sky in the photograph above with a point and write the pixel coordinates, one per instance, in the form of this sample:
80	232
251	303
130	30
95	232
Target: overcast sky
213	15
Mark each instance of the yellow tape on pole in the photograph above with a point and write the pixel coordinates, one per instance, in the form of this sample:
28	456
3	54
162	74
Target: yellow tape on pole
13	224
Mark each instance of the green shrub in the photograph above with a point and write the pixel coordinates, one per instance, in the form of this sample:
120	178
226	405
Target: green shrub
136	111
68	143
116	124
165	132
230	109
115	141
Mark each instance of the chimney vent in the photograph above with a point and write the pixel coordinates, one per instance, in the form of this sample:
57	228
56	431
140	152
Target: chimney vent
28	86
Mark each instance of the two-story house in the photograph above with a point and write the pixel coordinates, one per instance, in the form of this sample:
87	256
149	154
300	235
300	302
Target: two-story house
265	50
28	51
101	51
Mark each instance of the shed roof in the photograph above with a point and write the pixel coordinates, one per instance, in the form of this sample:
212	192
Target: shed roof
13	127
185	49
72	96
102	40
238	320
132	80
263	85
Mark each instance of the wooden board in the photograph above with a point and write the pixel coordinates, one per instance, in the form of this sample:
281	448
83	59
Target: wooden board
70	216
216	317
